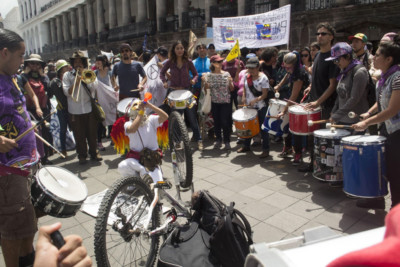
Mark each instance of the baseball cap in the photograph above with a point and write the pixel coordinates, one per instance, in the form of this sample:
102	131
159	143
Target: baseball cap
125	45
250	55
252	62
60	64
339	49
359	36
388	37
216	58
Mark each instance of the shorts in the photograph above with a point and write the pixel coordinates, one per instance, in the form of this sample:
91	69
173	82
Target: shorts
17	214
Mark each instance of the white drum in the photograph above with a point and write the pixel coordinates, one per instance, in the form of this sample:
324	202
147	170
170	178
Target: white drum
181	99
272	124
58	192
123	105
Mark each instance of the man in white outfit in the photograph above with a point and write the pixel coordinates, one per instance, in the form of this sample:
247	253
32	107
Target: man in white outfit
142	132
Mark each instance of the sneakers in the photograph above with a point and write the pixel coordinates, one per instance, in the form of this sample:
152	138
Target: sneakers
243	149
100	146
217	145
371	203
227	146
264	154
297	159
200	145
286	151
96	157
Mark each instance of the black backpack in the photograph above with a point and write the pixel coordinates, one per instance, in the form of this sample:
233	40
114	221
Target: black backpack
230	231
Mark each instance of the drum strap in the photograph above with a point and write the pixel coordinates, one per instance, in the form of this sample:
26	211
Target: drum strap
251	87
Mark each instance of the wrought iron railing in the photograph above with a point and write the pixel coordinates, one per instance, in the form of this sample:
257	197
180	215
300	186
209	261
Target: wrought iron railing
193	19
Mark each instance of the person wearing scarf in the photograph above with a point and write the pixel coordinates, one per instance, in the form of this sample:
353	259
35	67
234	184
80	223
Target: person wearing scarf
352	85
386	111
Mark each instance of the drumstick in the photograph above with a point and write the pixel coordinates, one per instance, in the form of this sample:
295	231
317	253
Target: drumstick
311	123
48	144
304	97
330	125
34	126
273	117
352	115
295	103
135	90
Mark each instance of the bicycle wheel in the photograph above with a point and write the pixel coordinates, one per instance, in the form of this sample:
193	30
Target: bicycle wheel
179	144
118	240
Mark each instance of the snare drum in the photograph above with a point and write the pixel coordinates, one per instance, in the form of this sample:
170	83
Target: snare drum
272	125
58	192
246	122
328	156
122	106
364	166
299	117
181	99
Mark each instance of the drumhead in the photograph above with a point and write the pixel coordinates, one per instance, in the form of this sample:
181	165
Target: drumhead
327	133
122	105
277	102
364	139
297	109
178	95
244	114
62	183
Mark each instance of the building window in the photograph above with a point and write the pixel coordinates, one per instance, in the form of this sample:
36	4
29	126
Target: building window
368	1
26	11
318	4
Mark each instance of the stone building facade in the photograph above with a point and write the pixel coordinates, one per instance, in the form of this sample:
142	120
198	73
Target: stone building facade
54	28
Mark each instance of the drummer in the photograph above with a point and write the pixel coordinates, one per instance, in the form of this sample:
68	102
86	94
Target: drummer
179	66
387	110
298	82
352	85
256	90
18	222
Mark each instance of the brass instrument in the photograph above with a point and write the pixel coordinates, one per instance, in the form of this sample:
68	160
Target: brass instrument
88	76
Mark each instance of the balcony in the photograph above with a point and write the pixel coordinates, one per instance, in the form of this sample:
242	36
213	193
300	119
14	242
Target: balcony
221	11
169	24
323	4
193	19
132	30
260	6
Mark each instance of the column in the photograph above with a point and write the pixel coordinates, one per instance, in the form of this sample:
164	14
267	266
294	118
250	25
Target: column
53	32
59	30
100	16
183	6
208	4
241	7
90	18
284	2
112	9
161	12
66	27
126	12
74	25
81	21
45	33
141	11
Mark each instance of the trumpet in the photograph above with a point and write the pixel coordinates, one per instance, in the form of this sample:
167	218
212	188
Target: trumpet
88	76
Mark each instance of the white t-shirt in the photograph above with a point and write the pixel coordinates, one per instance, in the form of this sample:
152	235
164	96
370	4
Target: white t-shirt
148	132
259	84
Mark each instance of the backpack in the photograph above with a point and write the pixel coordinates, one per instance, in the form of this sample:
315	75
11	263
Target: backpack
230	231
186	246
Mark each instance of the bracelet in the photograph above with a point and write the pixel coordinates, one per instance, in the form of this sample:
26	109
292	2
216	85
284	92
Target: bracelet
141	112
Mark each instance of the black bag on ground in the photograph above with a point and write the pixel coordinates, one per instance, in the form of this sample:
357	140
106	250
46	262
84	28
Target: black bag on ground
230	231
186	246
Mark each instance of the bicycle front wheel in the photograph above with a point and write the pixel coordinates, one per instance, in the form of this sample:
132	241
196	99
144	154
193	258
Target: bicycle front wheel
119	239
179	146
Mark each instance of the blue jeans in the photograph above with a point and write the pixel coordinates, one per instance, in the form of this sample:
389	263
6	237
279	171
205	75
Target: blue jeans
264	135
63	119
222	114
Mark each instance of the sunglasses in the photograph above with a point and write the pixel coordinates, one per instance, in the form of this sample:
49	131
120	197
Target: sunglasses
304	55
322	33
218	61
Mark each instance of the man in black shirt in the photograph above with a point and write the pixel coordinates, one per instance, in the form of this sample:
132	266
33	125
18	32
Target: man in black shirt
324	73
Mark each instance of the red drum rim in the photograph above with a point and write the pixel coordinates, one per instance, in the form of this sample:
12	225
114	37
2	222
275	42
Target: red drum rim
303	112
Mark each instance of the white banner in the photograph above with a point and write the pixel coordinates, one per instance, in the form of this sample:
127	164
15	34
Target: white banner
154	84
261	30
108	100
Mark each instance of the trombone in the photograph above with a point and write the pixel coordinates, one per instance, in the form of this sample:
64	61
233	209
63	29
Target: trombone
88	76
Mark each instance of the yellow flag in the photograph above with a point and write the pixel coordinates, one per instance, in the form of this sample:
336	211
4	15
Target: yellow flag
192	42
235	52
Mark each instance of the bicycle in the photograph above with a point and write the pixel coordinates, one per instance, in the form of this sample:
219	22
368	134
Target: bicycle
128	230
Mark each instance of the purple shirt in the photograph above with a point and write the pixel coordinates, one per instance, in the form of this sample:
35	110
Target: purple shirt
179	76
15	120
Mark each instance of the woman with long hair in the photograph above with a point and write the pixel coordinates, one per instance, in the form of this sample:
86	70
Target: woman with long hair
387	112
179	66
298	81
221	84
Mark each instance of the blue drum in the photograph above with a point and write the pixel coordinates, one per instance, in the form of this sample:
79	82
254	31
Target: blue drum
272	124
364	166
